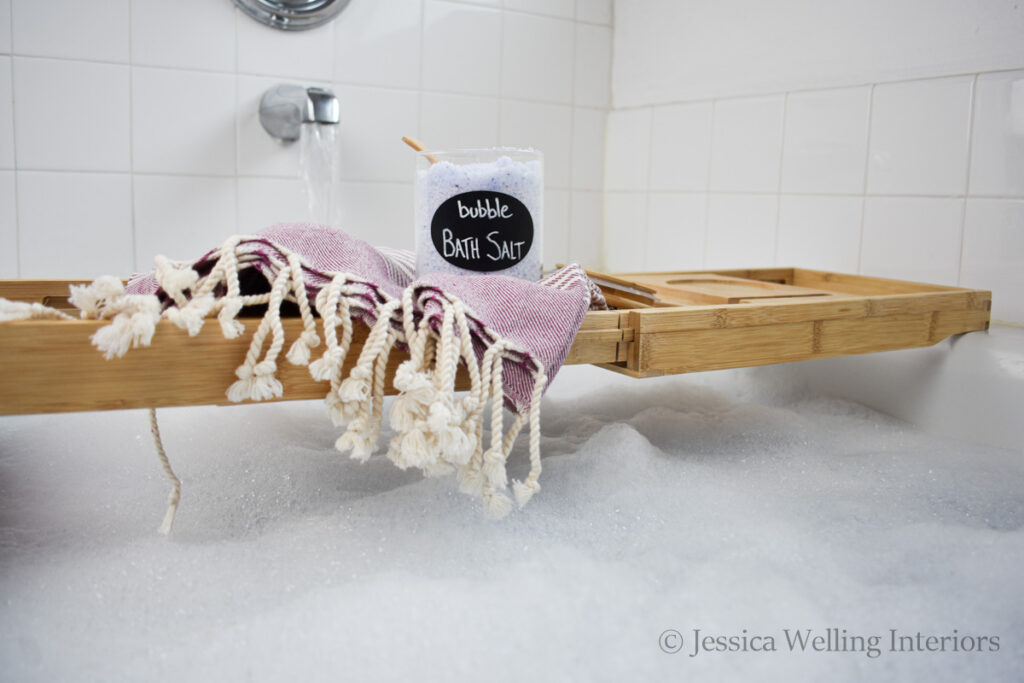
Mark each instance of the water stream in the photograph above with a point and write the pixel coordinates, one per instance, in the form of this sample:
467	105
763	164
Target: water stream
318	164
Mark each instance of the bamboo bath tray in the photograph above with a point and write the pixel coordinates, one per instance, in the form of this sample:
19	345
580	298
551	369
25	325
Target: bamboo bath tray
666	323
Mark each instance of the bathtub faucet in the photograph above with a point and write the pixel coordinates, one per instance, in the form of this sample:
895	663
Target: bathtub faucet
284	108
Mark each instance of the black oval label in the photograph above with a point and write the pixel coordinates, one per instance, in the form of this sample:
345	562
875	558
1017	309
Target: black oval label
482	230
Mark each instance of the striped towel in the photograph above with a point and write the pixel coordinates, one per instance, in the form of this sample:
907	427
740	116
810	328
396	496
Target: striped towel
508	336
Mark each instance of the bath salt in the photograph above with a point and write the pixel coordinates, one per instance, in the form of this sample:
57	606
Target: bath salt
480	212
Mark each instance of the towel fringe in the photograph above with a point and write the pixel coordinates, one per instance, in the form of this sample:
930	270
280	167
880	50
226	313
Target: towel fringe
437	431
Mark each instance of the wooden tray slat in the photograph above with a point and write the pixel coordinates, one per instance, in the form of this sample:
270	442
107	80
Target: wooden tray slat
50	366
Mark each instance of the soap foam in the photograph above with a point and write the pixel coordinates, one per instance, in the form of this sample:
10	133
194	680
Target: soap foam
723	501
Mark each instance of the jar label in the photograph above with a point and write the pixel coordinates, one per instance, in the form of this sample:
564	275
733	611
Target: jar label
482	230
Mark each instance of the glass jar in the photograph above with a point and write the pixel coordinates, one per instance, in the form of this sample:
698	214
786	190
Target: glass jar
480	211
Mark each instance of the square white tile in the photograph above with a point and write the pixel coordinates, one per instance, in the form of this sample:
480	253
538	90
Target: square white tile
260	154
461	48
6	115
820	232
378	43
537	58
188	34
85	233
997	149
183	122
588	148
94	138
627	149
556	228
565	9
675	231
746	144
741	231
625	231
993	256
592	80
8	227
5	27
587	210
71	29
594	11
448	121
547	127
266	51
681	147
180	217
379	213
912	238
373	121
919	132
262	202
826	141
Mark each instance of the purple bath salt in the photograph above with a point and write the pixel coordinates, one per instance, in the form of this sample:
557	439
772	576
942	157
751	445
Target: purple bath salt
480	211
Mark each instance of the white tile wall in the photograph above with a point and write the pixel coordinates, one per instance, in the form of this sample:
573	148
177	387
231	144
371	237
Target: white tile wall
826	139
461	48
8	226
5	27
919	134
548	127
157	28
168	101
997	149
819	232
95	138
585	220
72	29
378	43
181	216
993	256
6	115
675	231
588	148
555	8
537	58
628	150
556	228
183	122
290	54
380	213
370	133
681	147
746	143
625	231
593	60
262	202
913	238
84	234
741	231
449	121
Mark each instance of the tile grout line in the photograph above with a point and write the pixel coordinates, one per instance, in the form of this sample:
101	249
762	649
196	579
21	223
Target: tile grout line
864	183
971	114
647	185
131	144
778	185
707	186
572	142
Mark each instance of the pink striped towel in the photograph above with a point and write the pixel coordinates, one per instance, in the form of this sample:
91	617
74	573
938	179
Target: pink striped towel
510	336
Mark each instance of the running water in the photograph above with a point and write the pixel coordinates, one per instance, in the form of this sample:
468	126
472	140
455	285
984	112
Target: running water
318	162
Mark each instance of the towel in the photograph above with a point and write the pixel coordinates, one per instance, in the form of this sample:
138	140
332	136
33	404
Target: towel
510	335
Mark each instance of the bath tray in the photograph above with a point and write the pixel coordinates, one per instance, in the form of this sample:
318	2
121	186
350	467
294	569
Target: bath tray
664	323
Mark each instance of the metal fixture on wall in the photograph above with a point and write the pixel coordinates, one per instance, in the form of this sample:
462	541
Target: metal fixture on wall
292	15
284	108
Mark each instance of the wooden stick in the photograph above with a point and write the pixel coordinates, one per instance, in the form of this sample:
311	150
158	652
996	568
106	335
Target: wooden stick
419	147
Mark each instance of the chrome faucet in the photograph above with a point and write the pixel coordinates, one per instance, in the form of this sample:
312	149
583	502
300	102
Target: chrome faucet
284	108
